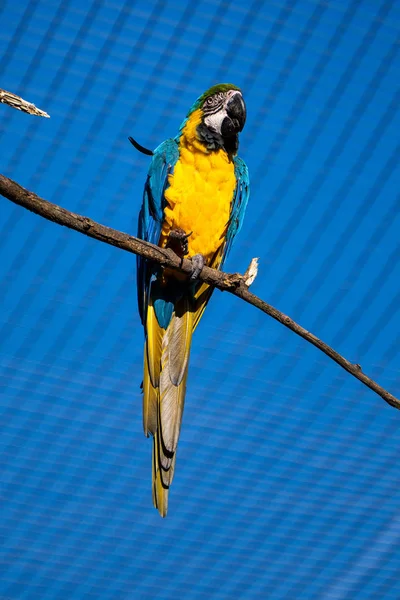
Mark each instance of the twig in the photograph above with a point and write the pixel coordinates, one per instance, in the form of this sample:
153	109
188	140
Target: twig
233	283
21	104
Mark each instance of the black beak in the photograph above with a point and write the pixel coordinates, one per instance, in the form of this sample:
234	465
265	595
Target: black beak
236	111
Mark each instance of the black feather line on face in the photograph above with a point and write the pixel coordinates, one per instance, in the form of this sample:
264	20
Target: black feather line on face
212	110
214	141
212	105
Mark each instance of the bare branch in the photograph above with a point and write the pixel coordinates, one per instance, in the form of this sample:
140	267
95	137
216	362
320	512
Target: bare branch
20	104
233	283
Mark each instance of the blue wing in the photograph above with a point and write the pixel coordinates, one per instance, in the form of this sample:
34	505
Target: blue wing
238	208
152	213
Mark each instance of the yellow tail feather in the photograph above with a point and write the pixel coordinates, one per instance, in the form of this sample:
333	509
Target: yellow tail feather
164	383
163	403
150	401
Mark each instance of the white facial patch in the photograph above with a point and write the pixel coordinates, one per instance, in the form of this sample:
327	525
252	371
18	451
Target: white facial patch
214	122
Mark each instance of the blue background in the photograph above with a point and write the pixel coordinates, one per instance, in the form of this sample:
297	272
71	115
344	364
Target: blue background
287	480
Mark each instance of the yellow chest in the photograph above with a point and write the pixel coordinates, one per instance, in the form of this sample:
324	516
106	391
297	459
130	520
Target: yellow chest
200	193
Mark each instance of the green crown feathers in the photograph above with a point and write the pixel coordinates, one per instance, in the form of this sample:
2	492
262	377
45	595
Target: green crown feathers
220	87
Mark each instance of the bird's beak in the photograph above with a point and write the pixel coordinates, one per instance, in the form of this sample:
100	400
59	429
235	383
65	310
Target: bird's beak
236	110
235	115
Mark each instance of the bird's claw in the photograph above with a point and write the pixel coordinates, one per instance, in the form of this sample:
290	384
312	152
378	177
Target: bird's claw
197	266
178	241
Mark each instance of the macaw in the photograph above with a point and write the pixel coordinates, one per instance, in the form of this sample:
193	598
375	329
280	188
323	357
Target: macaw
194	202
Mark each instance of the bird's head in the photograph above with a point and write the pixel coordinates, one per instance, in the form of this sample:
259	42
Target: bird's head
223	115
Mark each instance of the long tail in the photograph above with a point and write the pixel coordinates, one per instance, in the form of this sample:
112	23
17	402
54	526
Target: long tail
166	361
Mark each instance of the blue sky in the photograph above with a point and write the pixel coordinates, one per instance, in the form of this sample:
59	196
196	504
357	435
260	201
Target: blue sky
287	483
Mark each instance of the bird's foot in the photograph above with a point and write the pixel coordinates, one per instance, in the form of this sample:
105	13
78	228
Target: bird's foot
178	241
197	266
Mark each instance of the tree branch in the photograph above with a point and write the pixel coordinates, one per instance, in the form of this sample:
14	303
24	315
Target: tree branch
233	283
20	104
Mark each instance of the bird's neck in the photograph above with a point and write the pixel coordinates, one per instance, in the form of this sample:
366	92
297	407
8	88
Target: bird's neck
195	134
189	135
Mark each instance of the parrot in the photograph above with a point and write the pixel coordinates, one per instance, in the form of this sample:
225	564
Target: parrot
194	201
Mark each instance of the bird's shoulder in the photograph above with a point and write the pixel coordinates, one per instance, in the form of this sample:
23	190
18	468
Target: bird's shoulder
167	153
241	170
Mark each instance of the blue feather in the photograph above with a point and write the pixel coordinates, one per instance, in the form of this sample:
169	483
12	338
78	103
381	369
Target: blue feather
239	204
150	222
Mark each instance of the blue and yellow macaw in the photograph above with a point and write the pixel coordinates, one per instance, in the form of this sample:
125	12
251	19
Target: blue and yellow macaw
194	202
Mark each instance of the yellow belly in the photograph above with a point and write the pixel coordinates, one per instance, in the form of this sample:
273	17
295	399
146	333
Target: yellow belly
200	193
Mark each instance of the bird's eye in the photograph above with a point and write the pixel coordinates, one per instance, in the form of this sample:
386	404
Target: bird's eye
215	100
